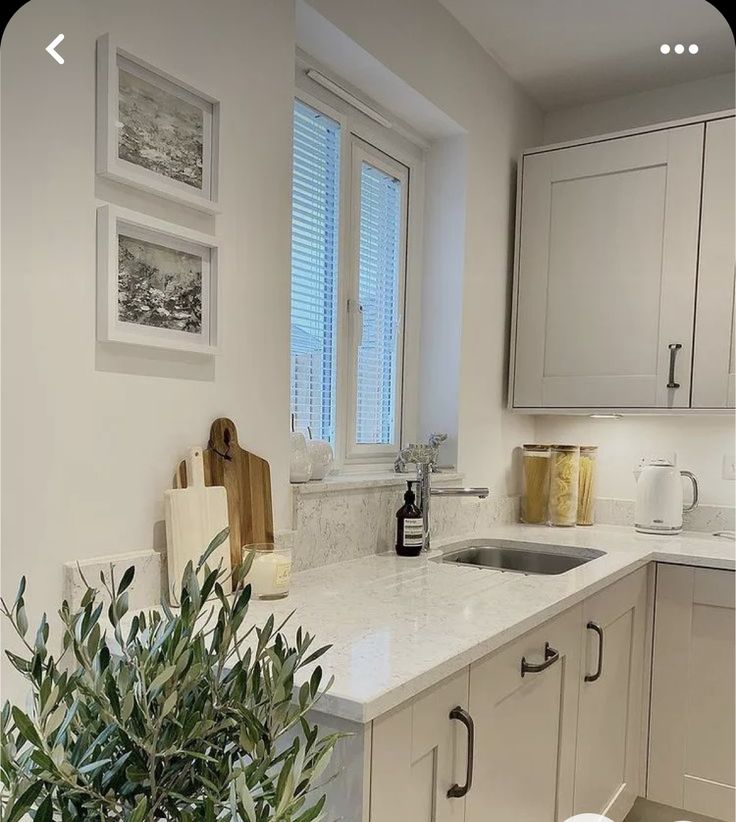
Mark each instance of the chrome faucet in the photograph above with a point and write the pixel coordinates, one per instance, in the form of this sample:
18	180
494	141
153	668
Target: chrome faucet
425	456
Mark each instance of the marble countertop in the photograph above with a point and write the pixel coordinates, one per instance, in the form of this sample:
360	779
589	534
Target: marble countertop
399	625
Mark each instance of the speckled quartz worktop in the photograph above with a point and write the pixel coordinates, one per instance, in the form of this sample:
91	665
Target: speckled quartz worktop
399	625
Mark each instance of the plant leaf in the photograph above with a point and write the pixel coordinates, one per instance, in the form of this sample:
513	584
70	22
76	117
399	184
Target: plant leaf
26	727
127	579
139	812
25	802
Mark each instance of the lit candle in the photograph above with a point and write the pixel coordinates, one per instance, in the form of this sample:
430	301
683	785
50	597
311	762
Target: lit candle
270	572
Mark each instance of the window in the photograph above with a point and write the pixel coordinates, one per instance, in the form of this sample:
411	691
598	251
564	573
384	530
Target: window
349	248
314	239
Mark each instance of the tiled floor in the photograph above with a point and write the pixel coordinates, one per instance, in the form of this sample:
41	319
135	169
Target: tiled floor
644	811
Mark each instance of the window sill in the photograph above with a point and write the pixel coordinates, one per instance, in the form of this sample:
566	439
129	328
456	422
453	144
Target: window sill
338	483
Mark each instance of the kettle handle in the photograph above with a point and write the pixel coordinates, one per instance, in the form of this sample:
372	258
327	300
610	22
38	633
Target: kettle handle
692	479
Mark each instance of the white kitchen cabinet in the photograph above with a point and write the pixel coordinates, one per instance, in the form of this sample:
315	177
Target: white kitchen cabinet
691	744
610	716
418	753
607	255
713	364
525	726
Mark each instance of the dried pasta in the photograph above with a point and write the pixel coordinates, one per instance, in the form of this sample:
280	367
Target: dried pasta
563	491
536	487
586	487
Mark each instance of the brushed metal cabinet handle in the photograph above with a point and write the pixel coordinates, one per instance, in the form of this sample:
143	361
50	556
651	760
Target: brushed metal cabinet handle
674	348
591	626
696	493
461	715
550	657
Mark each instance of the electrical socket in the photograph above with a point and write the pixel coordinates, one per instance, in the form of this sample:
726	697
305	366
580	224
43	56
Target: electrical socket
729	466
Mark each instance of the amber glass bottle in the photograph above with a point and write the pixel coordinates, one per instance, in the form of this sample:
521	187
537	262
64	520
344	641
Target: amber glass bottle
409	527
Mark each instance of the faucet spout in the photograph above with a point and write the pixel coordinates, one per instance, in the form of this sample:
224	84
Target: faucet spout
479	492
426	492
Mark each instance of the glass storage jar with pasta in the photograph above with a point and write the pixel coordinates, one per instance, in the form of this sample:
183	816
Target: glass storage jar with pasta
563	484
587	484
535	484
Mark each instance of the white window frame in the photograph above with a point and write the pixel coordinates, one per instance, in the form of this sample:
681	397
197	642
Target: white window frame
362	139
362	152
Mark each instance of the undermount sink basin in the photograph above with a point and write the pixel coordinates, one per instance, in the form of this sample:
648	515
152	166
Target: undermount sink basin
520	557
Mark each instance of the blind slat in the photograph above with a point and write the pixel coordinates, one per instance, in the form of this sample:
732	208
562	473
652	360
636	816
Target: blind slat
379	271
315	218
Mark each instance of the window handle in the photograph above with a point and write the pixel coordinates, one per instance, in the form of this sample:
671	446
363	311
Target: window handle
355	309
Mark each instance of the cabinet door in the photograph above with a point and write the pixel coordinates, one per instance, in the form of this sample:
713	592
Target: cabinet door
418	753
525	727
691	743
608	767
606	274
713	366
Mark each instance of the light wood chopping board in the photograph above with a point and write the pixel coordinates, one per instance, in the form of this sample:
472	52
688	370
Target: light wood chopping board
247	479
195	515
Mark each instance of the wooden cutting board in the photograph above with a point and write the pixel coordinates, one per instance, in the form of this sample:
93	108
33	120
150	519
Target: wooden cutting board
194	517
247	479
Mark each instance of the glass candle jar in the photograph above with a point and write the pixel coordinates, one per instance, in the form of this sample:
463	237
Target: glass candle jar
587	484
535	484
270	573
563	485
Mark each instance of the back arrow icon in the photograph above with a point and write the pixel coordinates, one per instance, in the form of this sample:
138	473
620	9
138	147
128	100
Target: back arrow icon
51	49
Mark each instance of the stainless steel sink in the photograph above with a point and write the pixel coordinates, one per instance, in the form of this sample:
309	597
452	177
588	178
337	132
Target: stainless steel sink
520	557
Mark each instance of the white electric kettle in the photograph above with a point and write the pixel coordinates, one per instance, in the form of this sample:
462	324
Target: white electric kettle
659	506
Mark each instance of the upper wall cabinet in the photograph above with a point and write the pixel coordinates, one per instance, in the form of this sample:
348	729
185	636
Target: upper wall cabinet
607	273
713	365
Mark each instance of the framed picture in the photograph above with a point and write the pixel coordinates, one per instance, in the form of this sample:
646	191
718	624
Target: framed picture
155	132
157	283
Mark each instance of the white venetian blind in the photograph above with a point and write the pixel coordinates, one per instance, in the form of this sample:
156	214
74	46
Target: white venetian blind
314	258
379	272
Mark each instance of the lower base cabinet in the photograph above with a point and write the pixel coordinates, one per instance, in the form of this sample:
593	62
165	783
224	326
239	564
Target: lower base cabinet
611	711
554	724
523	700
418	753
691	744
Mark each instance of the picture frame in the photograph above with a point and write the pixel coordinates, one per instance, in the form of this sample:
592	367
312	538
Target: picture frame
157	283
154	131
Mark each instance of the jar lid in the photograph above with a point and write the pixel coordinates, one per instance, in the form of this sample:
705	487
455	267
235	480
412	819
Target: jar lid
566	447
535	447
588	448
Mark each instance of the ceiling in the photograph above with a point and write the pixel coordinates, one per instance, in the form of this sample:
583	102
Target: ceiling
570	52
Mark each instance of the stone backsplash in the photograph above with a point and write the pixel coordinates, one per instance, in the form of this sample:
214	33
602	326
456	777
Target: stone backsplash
353	522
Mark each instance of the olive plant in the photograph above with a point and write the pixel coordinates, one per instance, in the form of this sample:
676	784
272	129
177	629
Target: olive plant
186	715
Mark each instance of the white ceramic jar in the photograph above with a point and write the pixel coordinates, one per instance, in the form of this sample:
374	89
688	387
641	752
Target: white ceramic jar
300	467
321	458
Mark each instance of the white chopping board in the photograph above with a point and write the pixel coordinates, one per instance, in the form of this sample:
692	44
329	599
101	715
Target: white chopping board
194	517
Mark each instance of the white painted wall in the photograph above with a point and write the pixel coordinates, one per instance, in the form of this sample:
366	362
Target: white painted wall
633	110
91	436
421	43
442	291
700	441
